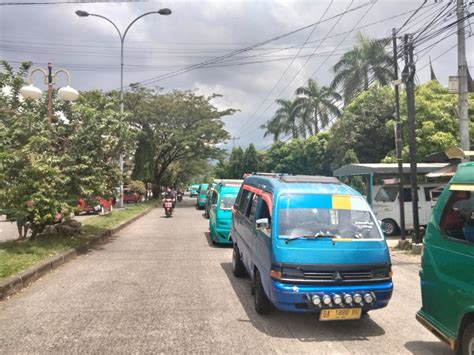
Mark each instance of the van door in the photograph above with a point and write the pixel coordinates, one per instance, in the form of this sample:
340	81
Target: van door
241	226
408	207
213	212
262	243
448	280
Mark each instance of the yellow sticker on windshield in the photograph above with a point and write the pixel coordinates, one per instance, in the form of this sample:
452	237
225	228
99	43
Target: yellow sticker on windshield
341	202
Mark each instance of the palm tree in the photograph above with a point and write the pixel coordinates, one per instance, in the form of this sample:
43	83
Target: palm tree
273	127
317	104
356	68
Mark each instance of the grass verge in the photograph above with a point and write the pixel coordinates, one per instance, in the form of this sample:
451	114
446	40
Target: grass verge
19	255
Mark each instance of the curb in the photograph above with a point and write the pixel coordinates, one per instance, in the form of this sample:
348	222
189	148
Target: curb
16	282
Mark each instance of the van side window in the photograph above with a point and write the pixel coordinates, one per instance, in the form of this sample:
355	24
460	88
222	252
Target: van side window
214	197
457	220
264	212
238	198
245	202
255	200
406	194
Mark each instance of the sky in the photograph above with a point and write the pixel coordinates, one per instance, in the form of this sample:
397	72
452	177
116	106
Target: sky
198	31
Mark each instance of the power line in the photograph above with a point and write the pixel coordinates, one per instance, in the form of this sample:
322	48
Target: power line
68	2
233	53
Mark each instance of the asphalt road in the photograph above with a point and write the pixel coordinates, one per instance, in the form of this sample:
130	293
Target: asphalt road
160	286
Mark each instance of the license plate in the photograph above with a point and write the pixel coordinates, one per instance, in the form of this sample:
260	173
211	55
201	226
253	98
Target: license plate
340	314
168	204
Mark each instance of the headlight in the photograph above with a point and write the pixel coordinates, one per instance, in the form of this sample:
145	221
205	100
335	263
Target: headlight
357	298
348	299
316	300
368	298
337	299
326	299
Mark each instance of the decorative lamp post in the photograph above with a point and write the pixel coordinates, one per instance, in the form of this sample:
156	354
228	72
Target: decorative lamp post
66	93
81	13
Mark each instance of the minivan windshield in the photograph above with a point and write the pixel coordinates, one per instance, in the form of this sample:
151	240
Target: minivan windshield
386	194
227	201
312	216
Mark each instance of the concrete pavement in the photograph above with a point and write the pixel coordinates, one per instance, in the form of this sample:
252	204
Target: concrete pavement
161	286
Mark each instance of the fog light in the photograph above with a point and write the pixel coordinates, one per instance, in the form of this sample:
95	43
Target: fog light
326	299
348	299
368	298
316	300
337	299
357	298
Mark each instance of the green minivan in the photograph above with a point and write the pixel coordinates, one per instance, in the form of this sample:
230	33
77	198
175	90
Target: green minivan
447	266
222	199
201	196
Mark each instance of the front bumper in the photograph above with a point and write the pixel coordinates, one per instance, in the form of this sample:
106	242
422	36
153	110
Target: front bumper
297	298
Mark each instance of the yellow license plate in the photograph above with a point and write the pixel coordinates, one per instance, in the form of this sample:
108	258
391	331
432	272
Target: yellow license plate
340	314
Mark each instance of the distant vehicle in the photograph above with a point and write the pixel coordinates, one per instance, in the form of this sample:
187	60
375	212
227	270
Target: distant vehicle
97	205
386	205
131	197
220	216
168	205
310	244
193	190
447	277
201	196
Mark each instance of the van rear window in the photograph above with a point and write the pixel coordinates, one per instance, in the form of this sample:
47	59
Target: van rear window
386	194
325	216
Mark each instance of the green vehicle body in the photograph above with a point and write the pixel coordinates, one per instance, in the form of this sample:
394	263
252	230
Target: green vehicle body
447	269
193	190
220	214
201	195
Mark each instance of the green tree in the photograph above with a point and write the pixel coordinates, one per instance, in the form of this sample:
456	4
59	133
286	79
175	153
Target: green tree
236	164
318	103
318	157
285	119
364	127
437	125
250	159
46	165
174	127
354	71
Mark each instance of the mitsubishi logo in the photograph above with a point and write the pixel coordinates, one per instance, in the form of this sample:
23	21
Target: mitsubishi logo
337	276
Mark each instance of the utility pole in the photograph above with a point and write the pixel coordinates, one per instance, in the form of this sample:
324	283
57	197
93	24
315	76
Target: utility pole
408	76
462	79
50	92
233	139
398	137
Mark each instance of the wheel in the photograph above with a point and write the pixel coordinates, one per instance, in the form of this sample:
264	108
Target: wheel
389	227
262	303
238	268
467	341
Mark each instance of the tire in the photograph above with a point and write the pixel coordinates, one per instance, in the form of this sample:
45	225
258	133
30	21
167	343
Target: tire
467	340
238	268
262	303
389	227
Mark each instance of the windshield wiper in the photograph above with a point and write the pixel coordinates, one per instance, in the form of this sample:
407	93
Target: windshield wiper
315	236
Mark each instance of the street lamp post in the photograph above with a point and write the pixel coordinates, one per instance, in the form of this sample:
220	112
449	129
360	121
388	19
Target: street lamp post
81	13
66	93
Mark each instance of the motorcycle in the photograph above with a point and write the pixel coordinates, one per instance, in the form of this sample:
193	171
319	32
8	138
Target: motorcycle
168	206
180	196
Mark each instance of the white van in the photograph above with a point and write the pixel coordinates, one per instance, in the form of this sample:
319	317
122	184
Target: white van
387	207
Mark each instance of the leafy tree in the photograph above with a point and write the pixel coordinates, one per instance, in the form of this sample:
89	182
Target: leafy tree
250	159
356	68
318	103
364	127
318	157
174	127
286	118
437	125
273	127
236	164
45	166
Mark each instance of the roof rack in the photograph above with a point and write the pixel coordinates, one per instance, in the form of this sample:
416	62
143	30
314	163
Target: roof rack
309	178
275	175
228	181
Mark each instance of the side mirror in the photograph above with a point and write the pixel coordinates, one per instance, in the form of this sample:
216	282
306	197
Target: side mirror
262	223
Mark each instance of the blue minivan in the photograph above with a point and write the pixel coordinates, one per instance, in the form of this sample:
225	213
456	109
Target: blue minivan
310	244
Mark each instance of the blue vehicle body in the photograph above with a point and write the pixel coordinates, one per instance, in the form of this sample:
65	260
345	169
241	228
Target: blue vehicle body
293	268
220	215
201	195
